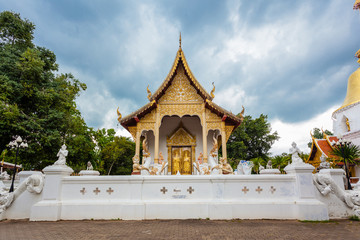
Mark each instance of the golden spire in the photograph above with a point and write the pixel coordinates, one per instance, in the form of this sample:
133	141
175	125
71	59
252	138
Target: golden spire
180	41
353	89
357	5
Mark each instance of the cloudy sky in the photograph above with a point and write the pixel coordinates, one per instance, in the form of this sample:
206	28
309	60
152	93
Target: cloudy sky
287	59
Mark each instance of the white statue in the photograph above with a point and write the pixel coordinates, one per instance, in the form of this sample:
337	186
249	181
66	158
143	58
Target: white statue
214	150
62	154
269	165
239	169
164	167
261	167
295	151
89	166
326	185
324	164
244	167
33	184
4	176
145	168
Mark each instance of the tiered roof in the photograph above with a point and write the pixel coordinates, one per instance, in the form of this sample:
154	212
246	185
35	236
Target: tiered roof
324	146
134	117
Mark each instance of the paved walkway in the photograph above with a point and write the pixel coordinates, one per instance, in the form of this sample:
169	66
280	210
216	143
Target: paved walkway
180	229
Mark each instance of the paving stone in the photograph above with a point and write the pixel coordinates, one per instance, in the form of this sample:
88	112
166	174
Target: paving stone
179	229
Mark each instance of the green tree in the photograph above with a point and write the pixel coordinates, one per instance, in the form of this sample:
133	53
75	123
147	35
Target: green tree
34	102
102	138
258	161
117	156
14	30
347	153
281	161
318	134
252	139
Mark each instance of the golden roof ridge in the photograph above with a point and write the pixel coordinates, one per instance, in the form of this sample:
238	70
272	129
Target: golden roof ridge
180	56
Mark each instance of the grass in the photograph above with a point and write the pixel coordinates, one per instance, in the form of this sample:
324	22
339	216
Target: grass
314	221
354	218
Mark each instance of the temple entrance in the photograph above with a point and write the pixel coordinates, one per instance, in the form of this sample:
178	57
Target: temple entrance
181	151
181	160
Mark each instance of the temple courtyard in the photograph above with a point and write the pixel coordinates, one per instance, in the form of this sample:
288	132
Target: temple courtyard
180	229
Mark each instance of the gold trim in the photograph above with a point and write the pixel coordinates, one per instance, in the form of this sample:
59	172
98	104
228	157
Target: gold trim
345	106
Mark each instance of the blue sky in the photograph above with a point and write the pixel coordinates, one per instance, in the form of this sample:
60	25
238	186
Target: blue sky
287	59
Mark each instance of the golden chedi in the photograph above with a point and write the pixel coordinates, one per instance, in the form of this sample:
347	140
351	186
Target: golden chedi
353	88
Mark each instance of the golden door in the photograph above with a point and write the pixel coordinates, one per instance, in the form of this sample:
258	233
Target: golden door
181	160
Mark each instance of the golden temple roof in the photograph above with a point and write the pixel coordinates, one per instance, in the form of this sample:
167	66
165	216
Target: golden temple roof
353	90
180	57
133	118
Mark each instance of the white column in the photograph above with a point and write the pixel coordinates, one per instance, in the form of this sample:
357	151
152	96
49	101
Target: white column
49	208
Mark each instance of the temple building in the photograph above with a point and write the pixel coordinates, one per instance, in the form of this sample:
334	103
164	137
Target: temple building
322	147
346	125
346	119
181	126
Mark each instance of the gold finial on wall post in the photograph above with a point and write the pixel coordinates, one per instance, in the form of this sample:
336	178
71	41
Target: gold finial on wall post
180	40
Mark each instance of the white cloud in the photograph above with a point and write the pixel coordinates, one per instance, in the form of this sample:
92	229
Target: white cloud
299	132
123	132
145	40
233	97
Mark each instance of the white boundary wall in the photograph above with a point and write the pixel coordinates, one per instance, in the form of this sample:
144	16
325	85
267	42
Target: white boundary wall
289	196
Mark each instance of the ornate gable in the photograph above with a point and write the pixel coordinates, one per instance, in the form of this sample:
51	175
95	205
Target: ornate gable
180	94
181	137
180	90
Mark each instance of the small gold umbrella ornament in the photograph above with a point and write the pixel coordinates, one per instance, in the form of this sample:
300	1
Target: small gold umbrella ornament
357	5
357	54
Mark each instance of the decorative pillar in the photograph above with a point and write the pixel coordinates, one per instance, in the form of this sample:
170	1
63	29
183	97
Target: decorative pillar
49	208
204	132
137	142
157	126
223	140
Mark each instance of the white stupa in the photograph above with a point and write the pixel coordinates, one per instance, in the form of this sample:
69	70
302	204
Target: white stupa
346	119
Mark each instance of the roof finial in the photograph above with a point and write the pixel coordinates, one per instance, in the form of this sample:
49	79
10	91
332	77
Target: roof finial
213	90
180	41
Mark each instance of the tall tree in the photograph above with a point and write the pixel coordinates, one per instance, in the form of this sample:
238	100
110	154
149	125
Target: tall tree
117	156
252	139
34	102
